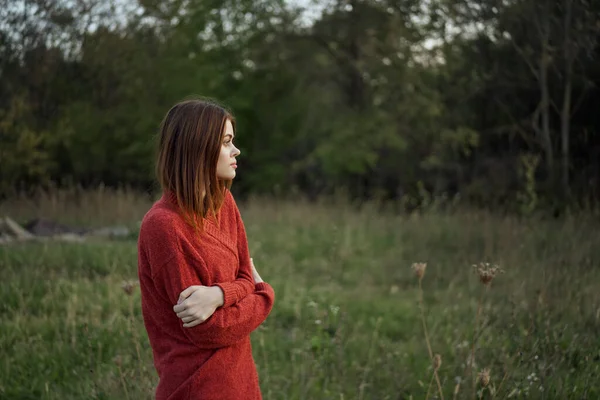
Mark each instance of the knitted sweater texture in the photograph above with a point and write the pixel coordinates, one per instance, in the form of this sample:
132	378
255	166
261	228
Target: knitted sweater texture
212	360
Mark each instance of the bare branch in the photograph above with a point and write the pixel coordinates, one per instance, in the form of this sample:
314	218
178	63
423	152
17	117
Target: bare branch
533	70
554	105
535	123
580	99
517	126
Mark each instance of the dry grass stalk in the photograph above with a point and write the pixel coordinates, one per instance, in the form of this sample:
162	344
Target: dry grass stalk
486	273
128	287
508	368
363	383
419	269
456	389
437	362
119	363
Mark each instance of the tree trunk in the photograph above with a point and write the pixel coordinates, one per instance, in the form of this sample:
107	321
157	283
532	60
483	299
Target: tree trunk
545	94
565	116
545	115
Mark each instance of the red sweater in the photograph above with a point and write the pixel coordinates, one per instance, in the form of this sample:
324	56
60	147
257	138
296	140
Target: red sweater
212	360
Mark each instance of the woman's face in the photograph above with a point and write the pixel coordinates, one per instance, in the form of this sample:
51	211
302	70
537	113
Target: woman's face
226	165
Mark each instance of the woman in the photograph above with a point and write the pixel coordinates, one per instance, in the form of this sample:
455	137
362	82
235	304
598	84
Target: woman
201	295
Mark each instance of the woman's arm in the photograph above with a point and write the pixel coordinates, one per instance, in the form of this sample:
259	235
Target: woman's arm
227	325
245	281
197	303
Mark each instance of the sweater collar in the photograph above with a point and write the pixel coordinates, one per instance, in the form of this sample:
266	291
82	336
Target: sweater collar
212	225
170	197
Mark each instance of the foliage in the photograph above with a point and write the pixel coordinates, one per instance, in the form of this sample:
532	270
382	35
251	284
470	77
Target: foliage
375	97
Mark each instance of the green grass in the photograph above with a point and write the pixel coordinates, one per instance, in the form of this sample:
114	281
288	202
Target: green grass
346	322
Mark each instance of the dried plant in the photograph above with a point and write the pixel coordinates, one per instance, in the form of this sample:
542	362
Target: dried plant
419	269
484	377
486	272
437	362
128	287
118	360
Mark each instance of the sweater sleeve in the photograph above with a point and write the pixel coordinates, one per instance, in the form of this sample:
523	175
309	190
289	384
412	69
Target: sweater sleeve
226	326
244	284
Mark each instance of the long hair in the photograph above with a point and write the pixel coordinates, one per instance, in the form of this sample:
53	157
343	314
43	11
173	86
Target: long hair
189	144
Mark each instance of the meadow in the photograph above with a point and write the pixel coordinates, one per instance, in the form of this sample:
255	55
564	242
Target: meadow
350	320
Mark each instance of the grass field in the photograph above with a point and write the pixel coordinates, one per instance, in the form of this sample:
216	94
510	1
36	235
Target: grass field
347	321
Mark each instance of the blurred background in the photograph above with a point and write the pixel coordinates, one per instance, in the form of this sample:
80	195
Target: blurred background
495	101
483	116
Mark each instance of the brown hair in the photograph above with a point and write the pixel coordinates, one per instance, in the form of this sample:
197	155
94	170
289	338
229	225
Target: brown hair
188	150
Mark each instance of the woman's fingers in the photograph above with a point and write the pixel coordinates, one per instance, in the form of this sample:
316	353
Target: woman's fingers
187	292
197	306
192	324
193	320
180	307
188	315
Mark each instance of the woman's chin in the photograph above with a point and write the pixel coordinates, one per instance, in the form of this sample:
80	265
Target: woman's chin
229	177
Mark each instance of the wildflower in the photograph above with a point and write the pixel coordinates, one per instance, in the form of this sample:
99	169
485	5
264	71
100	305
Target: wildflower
484	377
486	272
419	269
532	378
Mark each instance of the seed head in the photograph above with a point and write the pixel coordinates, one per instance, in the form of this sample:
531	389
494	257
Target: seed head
118	360
437	362
484	377
419	269
128	286
486	272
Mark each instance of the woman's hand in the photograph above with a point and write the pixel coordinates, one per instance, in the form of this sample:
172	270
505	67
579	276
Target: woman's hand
197	303
257	278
